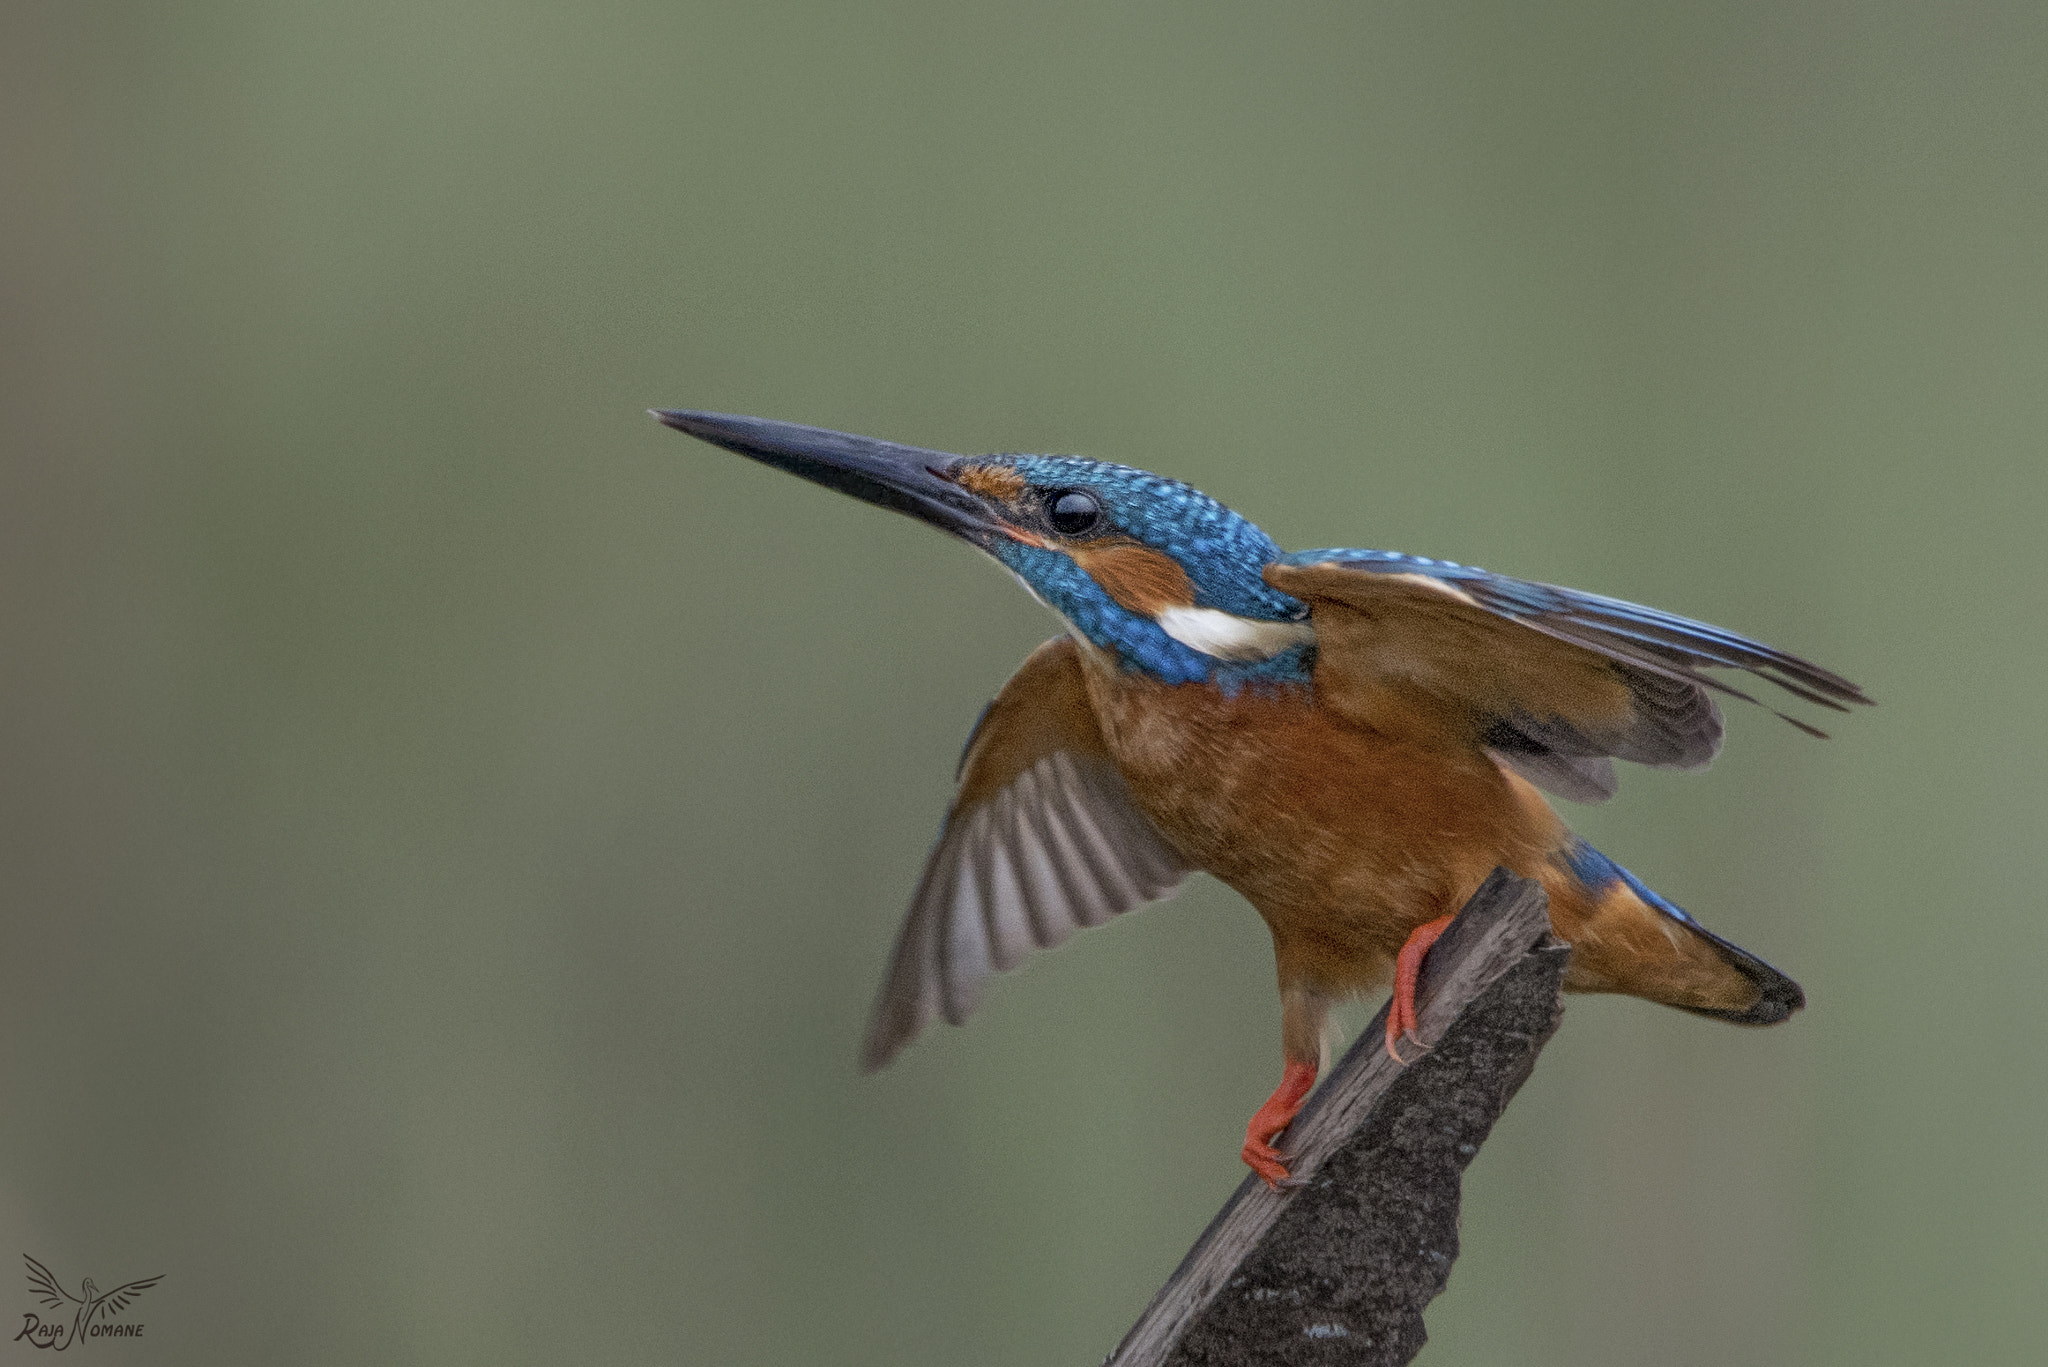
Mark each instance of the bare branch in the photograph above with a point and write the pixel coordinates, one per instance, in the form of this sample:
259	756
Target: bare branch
1339	1269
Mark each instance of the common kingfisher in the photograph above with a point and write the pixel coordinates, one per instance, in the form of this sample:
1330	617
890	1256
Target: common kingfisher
1352	739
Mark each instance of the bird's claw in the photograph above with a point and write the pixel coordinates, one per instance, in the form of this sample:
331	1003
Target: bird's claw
1407	1036
1265	1160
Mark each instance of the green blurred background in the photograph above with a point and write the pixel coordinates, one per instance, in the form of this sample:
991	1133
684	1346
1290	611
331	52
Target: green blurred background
452	826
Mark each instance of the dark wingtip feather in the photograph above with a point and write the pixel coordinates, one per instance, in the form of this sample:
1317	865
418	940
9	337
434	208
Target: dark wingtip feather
894	1025
876	1055
1807	727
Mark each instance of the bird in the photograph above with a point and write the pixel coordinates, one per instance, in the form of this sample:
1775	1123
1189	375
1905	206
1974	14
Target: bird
1351	739
92	1302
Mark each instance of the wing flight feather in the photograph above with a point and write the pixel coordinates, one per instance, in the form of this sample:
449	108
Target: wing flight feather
1042	840
1555	683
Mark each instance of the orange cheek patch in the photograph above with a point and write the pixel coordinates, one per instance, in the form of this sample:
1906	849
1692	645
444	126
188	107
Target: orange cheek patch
998	482
1137	577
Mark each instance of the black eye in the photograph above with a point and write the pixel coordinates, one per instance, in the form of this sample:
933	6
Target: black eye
1073	513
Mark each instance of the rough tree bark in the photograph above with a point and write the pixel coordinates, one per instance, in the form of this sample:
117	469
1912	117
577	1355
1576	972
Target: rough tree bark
1339	1269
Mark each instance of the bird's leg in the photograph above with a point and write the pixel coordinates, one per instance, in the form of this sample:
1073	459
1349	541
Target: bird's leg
1407	971
1302	1013
1273	1117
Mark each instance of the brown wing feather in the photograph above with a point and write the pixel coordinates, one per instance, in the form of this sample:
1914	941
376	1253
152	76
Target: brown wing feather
1417	656
1405	652
1041	840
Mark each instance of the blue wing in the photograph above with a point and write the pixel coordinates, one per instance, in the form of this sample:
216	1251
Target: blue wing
1631	683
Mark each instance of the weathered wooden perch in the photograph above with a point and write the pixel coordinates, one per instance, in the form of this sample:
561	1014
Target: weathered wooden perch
1339	1269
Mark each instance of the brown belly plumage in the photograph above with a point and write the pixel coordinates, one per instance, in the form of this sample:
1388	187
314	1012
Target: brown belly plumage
1344	839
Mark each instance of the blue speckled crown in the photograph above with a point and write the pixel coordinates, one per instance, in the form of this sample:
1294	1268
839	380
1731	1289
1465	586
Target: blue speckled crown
1221	552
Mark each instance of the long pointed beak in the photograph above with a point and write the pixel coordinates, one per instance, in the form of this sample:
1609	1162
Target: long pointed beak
908	479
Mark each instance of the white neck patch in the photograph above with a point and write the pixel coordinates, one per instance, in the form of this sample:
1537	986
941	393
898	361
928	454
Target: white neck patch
1226	636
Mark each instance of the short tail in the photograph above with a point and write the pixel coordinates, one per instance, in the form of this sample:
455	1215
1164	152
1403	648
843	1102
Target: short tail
1625	938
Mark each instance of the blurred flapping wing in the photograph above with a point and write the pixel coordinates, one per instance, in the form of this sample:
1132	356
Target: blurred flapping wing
1041	840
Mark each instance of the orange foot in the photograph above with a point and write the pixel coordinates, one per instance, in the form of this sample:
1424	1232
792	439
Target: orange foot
1407	970
1280	1108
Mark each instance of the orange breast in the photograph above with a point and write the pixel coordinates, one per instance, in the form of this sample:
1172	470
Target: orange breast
1343	837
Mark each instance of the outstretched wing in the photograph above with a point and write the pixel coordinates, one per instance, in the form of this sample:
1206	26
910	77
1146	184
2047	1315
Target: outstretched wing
1556	683
115	1301
1041	840
43	1284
